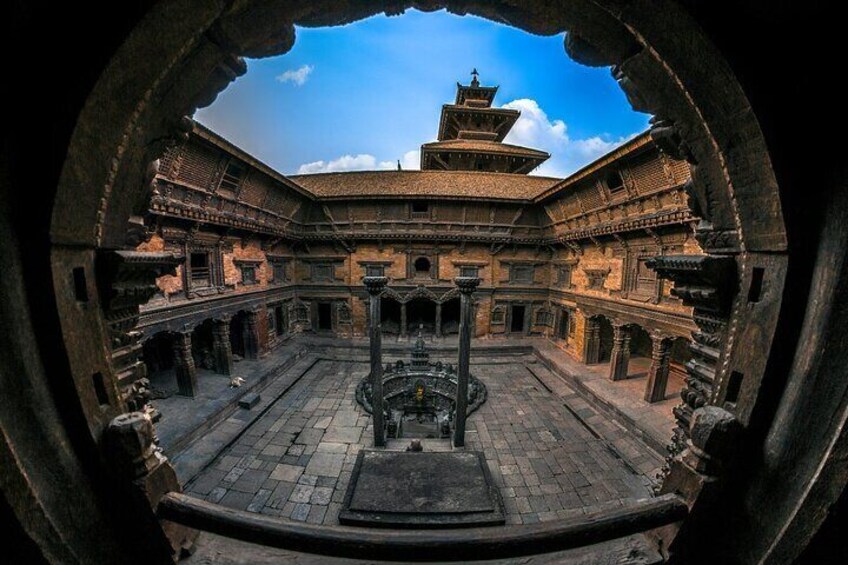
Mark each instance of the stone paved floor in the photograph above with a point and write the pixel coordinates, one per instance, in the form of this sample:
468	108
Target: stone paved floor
296	459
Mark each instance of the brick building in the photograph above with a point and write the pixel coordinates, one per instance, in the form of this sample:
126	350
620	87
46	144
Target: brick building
265	256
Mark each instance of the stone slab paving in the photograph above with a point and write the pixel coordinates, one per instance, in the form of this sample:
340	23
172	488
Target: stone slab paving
295	460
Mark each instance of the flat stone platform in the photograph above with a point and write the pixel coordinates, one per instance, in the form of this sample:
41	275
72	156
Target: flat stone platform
421	490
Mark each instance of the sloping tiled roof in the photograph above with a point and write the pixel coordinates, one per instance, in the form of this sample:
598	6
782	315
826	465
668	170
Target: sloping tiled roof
482	146
425	184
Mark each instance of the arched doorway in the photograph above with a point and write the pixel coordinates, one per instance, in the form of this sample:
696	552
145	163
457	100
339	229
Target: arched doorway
640	352
421	314
389	316
450	316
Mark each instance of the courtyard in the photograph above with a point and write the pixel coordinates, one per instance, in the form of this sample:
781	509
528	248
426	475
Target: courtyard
549	452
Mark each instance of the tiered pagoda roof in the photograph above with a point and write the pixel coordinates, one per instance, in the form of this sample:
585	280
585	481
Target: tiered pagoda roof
471	135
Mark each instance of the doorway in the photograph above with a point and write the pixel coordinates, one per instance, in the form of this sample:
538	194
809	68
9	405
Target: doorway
516	324
325	316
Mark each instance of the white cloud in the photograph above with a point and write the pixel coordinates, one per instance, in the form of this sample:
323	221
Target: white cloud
296	76
535	129
360	162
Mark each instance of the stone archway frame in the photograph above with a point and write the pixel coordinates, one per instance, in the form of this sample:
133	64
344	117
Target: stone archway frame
183	53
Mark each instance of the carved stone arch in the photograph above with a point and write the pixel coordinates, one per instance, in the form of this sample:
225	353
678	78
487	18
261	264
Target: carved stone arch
420	292
449	295
393	294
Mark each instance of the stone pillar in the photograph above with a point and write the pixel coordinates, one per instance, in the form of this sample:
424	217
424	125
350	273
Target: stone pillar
592	342
221	346
620	356
403	319
438	319
467	286
376	286
184	364
250	334
658	373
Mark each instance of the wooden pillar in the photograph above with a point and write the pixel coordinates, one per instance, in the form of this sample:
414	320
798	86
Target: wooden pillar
592	341
250	335
184	364
438	319
467	286
376	286
403	319
620	357
221	346
658	373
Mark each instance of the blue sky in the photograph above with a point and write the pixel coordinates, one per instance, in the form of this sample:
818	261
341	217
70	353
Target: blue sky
365	95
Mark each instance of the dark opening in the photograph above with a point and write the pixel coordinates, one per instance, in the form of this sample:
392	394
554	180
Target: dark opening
420	312
422	266
614	181
238	333
100	389
80	290
450	317
734	385
279	320
158	354
756	288
517	323
389	316
420	206
564	320
605	340
202	345
325	316
232	176
199	271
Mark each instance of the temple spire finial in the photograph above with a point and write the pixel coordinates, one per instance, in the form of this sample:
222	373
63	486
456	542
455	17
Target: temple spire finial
475	82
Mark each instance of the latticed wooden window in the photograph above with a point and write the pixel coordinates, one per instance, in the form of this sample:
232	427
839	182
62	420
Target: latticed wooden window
323	272
522	274
469	271
498	315
248	274
375	270
564	276
200	271
232	177
279	271
544	318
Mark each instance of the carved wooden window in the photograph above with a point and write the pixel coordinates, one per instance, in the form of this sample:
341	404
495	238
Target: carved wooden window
524	274
614	181
544	318
422	267
278	268
375	270
248	274
646	279
232	177
469	271
498	315
323	272
200	271
419	209
564	276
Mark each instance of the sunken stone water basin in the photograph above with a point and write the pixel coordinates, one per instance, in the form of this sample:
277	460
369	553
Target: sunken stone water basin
419	398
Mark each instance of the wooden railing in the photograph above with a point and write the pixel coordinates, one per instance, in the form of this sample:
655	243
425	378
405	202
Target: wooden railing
424	545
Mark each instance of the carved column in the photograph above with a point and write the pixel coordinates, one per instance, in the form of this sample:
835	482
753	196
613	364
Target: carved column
438	319
221	346
125	281
141	476
592	342
708	283
250	334
403	319
184	364
620	356
467	286
376	286
655	390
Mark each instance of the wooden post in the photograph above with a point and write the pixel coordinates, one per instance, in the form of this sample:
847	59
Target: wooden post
184	364
438	319
221	346
467	286
592	341
376	286
655	390
403	319
620	357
